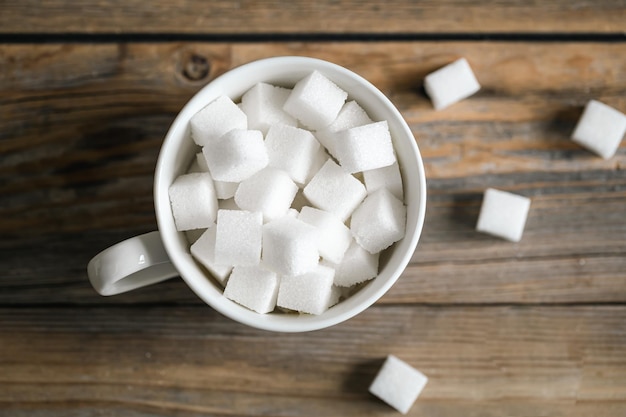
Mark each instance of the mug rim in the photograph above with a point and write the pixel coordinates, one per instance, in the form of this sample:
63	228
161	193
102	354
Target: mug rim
171	152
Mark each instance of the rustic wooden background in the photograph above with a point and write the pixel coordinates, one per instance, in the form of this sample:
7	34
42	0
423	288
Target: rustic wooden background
87	92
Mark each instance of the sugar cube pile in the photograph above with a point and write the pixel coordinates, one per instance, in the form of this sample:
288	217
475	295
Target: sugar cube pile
291	196
398	384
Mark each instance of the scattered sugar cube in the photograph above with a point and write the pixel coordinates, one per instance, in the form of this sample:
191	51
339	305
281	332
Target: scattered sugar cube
450	84
238	237
290	246
203	250
292	212
398	384
315	101
365	147
334	236
600	129
310	292
379	221
293	150
270	191
217	118
263	104
357	265
334	190
503	214
253	287
236	155
193	201
351	115
386	177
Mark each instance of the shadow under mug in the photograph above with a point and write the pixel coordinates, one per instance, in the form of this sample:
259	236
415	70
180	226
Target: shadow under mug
164	254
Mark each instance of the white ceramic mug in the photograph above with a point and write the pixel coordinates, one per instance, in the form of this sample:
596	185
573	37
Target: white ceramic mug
164	254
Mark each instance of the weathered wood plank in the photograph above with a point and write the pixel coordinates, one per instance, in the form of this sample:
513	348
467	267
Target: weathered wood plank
81	126
301	16
189	361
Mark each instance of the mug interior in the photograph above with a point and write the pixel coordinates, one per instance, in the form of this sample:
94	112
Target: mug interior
178	150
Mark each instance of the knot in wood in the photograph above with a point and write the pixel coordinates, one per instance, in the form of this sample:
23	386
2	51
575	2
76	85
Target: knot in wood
195	67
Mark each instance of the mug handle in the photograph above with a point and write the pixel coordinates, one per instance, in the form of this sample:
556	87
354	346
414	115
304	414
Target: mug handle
130	264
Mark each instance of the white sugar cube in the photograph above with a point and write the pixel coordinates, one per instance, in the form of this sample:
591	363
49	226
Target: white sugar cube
315	101
223	189
334	190
311	292
503	214
193	201
398	384
379	221
293	150
319	159
351	115
217	118
203	250
236	155
263	104
334	236
600	129
450	84
253	287
365	147
357	265
270	191
386	177
290	246
238	237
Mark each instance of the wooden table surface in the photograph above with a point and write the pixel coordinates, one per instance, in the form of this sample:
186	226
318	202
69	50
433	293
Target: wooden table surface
538	328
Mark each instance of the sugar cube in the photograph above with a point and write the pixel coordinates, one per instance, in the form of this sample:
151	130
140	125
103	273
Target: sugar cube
203	250
600	129
310	292
293	150
253	287
270	191
217	118
379	221
503	214
223	189
238	237
334	236
351	115
450	84
334	190
398	384
193	201
386	177
290	246
357	265
263	104
315	101
236	155
365	147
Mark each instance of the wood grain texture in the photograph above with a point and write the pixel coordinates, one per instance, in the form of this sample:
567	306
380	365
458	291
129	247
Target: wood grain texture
302	16
81	127
480	360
